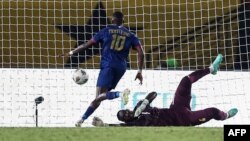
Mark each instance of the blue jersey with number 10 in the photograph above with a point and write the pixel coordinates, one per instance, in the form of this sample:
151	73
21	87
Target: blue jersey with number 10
116	42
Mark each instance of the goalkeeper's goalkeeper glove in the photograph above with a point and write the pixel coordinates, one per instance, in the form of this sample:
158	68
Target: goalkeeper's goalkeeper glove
141	108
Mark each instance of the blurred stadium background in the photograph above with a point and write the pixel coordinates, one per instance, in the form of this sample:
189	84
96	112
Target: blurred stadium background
193	32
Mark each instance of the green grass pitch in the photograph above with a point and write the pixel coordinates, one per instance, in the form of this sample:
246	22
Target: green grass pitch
112	134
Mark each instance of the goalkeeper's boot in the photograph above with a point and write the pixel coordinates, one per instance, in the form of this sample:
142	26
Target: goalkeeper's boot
232	112
125	96
79	123
215	66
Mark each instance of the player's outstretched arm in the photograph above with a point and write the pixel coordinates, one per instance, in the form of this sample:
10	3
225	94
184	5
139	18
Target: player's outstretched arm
149	98
78	49
140	63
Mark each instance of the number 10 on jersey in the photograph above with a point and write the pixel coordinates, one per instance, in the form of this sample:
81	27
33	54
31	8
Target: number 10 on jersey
118	42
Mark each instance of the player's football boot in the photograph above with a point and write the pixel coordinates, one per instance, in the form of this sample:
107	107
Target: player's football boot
216	64
125	96
79	123
232	112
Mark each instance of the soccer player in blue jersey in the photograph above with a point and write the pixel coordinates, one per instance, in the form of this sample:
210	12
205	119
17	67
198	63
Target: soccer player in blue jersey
179	113
116	43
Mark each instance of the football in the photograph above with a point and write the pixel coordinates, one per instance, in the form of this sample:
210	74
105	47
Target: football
80	76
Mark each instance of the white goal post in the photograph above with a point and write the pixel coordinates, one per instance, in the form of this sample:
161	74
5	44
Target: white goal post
178	36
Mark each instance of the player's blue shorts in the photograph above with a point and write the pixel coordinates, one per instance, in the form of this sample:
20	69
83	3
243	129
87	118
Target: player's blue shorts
109	77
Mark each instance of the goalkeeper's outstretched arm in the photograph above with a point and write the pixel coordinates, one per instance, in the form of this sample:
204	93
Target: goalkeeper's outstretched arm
98	122
148	99
151	96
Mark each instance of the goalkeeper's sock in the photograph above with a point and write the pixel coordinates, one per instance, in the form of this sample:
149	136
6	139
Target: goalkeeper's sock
198	74
88	112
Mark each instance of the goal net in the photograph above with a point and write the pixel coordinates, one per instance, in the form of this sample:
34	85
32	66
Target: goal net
178	36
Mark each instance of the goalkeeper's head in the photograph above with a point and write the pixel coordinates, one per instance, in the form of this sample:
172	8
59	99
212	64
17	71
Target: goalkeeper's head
125	115
118	18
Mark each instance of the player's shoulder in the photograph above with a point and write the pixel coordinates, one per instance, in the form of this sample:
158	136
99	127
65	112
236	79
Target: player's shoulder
124	28
127	30
132	33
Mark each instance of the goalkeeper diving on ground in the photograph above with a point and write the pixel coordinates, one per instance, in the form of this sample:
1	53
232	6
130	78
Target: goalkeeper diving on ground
179	113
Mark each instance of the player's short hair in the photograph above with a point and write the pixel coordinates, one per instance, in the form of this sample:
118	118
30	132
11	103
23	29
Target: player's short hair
118	17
